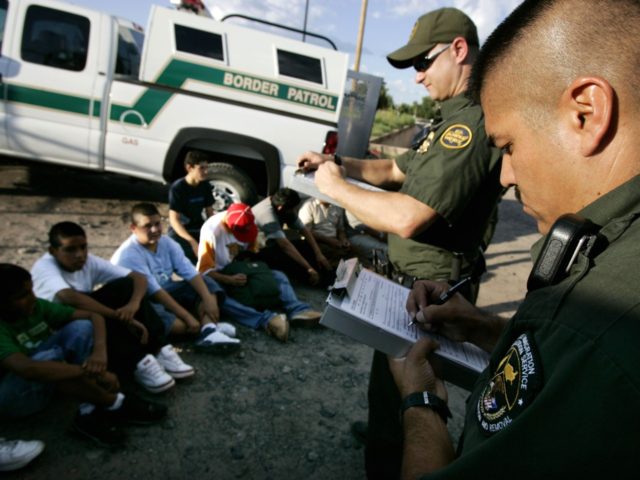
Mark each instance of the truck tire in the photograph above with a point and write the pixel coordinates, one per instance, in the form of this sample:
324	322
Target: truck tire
230	185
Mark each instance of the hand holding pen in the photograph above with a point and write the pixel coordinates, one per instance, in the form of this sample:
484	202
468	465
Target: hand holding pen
446	296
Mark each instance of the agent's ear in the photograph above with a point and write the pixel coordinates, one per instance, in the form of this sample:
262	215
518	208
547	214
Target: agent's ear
589	103
460	49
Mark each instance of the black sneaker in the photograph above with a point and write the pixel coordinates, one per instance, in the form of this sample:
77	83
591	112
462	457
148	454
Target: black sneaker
99	429
137	411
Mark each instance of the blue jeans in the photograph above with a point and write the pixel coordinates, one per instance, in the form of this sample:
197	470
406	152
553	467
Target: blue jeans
185	295
20	397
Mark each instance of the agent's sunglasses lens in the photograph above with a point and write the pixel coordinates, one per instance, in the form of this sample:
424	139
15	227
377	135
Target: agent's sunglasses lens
423	64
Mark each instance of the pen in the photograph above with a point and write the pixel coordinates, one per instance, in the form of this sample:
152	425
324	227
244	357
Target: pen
446	296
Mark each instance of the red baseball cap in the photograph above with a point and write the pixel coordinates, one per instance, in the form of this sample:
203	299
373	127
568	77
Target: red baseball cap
241	222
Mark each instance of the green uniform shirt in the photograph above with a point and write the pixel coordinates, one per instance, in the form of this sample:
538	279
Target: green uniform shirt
561	395
24	336
457	173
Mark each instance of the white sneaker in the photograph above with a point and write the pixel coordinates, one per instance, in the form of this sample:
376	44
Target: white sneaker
173	364
226	328
150	374
15	454
213	341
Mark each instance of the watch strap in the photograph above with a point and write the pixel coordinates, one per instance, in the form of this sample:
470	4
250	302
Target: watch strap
427	400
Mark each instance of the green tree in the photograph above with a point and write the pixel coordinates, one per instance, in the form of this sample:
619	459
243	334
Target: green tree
385	101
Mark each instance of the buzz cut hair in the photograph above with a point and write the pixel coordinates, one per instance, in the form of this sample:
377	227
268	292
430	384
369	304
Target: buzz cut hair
543	45
143	209
64	230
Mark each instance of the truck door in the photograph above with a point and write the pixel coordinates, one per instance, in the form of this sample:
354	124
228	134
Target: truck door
53	82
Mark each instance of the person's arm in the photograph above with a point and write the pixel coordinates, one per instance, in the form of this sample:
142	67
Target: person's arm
311	241
237	279
128	311
209	303
292	252
81	301
96	363
457	319
174	221
380	172
391	212
166	300
427	446
41	371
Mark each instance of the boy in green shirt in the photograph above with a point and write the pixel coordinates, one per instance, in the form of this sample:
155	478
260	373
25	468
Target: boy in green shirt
46	347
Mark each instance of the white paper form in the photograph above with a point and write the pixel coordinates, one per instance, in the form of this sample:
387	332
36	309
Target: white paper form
305	182
383	303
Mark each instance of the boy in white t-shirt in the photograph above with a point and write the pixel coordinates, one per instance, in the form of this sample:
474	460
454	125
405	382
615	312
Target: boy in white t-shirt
69	274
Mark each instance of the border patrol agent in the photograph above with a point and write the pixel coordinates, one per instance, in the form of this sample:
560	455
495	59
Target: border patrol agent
560	396
446	196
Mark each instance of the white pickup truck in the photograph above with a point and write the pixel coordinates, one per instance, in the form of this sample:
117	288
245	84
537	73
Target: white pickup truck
86	89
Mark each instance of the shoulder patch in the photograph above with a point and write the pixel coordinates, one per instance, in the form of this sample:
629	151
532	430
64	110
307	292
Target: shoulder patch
456	137
512	388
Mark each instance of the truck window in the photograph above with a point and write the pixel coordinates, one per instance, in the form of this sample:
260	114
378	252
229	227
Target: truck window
55	38
199	42
3	16
300	66
129	51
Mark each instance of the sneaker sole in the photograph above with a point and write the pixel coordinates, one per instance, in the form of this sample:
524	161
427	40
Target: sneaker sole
185	374
160	388
217	348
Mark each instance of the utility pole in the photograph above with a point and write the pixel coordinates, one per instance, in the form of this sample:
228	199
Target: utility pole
306	14
363	17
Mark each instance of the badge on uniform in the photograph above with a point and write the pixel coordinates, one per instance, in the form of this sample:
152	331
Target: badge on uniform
456	137
424	146
512	388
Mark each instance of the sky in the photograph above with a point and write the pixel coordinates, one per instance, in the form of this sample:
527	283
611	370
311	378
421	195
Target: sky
388	24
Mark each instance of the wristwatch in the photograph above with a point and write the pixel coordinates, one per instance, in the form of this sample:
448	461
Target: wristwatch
427	400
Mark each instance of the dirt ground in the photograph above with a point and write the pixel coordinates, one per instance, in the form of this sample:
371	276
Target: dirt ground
270	410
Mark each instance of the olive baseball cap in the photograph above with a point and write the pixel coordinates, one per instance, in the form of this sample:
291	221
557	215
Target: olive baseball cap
439	26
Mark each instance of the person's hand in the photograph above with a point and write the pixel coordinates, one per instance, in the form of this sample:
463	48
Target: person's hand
414	372
140	331
193	326
127	312
451	319
96	363
314	277
310	161
328	175
209	307
237	279
108	381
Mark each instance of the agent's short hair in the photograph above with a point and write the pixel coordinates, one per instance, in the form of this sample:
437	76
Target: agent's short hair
145	209
285	197
64	230
195	157
12	280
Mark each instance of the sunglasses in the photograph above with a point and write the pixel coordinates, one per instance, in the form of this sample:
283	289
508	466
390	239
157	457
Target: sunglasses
423	64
